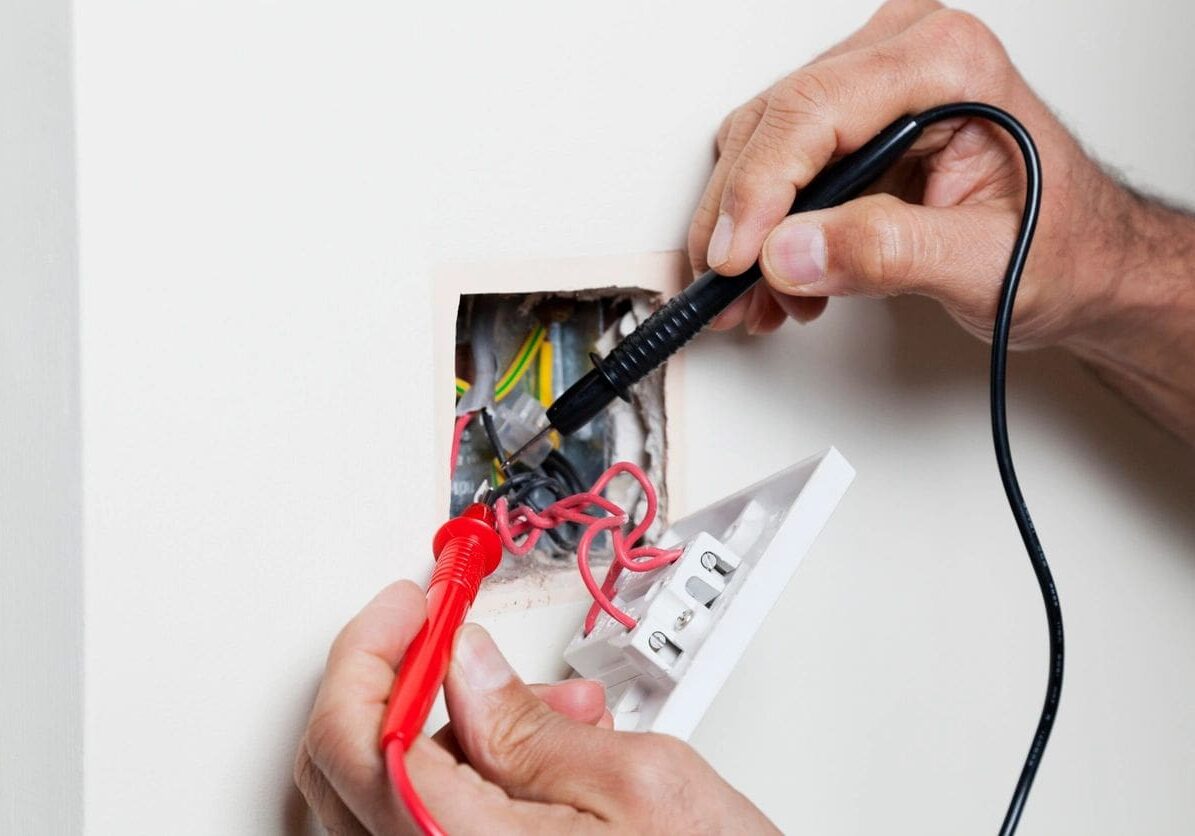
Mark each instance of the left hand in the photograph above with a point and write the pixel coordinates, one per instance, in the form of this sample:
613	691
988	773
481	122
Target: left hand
516	759
338	767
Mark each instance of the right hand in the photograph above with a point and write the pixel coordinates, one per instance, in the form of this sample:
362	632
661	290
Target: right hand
946	223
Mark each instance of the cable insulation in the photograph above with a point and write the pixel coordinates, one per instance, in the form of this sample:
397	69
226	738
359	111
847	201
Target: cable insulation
596	513
1002	325
521	362
458	430
396	766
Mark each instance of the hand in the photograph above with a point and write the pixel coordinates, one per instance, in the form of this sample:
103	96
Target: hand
539	759
946	223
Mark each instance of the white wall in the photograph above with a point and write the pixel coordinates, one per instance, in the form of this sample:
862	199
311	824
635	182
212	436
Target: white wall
264	191
41	637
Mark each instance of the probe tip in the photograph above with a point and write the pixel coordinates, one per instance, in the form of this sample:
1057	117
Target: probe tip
505	464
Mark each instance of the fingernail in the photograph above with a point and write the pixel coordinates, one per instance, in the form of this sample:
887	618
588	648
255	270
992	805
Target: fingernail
483	665
719	251
796	255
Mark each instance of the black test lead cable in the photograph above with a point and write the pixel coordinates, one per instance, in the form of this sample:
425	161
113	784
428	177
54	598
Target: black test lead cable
1012	488
667	330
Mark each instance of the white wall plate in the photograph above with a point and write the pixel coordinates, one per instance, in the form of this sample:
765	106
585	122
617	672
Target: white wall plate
697	615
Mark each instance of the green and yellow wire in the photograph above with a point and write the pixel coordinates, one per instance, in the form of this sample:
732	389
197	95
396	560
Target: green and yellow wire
518	367
533	345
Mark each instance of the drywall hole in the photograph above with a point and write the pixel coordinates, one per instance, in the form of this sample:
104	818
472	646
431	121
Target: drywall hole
514	354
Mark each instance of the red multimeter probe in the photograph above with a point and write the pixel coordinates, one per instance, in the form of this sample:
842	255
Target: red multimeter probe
467	549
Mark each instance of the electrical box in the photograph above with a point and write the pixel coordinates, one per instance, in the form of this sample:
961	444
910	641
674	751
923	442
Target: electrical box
524	350
524	330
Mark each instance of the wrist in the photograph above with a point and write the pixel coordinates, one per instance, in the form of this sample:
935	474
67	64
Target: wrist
1135	275
1136	322
1101	245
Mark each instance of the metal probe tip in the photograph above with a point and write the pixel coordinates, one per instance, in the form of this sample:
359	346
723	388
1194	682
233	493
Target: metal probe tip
505	464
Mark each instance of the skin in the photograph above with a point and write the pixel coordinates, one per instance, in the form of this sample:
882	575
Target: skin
515	758
1111	278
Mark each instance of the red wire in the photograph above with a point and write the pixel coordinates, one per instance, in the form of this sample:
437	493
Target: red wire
458	429
529	524
397	767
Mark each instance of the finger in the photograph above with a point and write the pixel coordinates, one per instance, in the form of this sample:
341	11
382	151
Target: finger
583	700
341	738
802	308
891	18
834	106
905	179
880	246
445	738
464	802
513	739
733	315
763	314
330	810
772	316
736	130
361	663
341	743
384	628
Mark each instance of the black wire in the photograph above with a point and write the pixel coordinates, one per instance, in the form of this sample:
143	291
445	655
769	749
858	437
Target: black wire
491	433
536	484
557	464
506	487
521	486
557	490
1012	489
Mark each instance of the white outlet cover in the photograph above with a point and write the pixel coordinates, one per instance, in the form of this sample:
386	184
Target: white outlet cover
767	527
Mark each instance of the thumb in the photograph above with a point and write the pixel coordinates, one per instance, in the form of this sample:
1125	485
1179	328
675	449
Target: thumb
879	245
514	739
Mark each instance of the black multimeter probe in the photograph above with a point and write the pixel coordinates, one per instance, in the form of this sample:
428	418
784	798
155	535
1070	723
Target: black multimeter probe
678	321
668	329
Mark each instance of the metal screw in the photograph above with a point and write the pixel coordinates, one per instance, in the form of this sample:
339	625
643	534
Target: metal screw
682	620
656	641
709	560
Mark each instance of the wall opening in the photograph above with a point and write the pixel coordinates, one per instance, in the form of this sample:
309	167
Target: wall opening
514	354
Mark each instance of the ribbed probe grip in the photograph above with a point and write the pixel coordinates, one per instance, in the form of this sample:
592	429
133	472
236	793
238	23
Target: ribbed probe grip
467	549
460	564
659	336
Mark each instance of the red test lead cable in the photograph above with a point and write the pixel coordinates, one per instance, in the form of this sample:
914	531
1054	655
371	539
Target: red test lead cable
467	549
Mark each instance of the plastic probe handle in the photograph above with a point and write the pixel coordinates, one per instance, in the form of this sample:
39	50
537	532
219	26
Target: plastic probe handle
664	333
467	548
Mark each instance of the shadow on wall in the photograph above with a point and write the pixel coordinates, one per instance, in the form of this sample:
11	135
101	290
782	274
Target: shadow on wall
901	354
1147	464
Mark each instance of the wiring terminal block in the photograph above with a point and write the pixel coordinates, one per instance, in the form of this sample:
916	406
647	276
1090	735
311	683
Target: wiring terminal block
675	608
